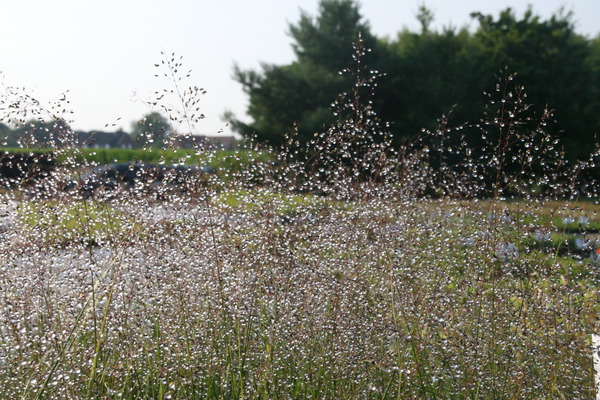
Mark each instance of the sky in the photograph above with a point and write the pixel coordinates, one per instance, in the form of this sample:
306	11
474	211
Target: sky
102	54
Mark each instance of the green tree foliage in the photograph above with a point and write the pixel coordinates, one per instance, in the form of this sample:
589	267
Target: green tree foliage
5	134
553	63
429	73
151	130
327	40
593	63
37	133
302	92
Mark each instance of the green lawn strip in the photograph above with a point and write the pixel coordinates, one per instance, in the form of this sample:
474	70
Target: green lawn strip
59	222
222	160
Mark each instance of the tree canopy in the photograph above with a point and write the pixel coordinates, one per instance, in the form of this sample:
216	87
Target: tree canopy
37	133
151	130
428	73
302	92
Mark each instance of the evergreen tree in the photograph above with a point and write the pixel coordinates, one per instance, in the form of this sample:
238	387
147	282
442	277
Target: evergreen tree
428	74
301	93
552	61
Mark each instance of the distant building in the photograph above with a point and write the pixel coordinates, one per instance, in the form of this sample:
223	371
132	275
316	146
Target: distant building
192	141
104	140
226	142
121	140
188	141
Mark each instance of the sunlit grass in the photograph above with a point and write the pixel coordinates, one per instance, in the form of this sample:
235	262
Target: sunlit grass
281	295
60	222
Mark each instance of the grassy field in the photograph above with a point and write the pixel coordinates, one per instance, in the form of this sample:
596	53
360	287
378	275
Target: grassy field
251	284
256	293
343	268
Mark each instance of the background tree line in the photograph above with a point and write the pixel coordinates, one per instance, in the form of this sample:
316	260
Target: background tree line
428	73
151	130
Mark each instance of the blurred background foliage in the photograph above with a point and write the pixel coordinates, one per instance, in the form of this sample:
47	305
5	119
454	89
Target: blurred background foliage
428	74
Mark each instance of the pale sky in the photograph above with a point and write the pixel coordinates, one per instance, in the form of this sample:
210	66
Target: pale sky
103	52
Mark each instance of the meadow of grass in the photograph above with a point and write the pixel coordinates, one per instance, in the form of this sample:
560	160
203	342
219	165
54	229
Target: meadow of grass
343	270
270	297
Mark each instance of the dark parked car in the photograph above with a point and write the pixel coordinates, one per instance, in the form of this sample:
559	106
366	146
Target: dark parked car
112	175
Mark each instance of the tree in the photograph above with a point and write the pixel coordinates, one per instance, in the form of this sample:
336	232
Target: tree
427	75
37	133
152	130
301	93
327	40
425	17
5	135
552	62
431	72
